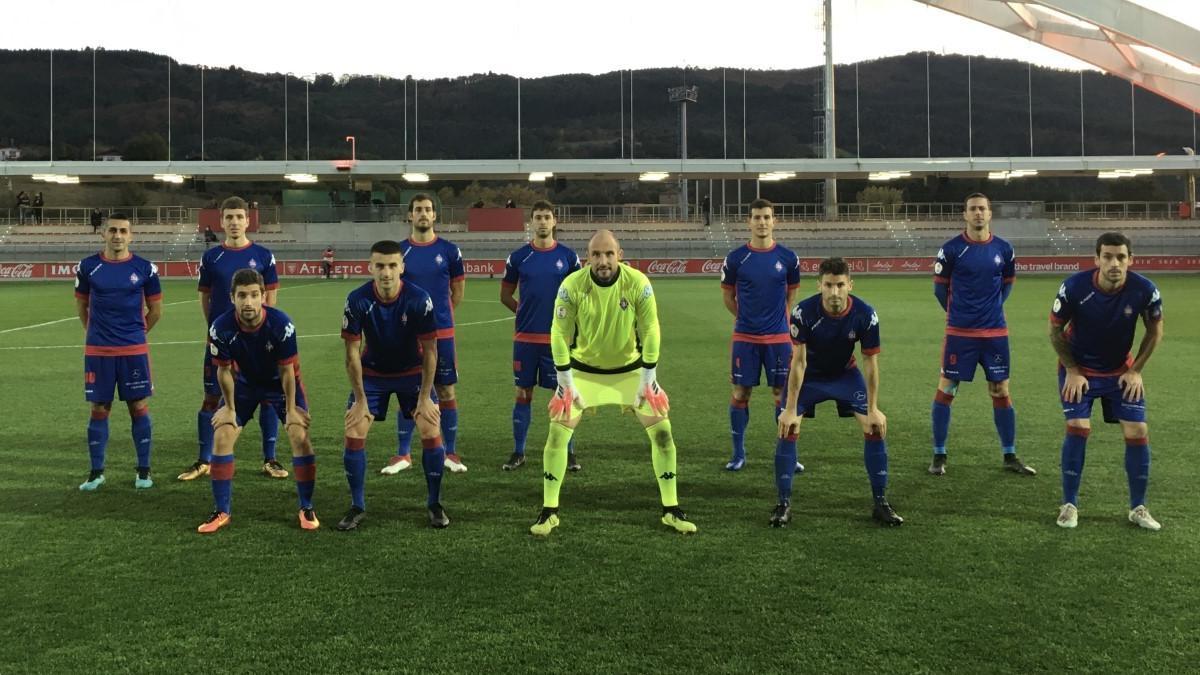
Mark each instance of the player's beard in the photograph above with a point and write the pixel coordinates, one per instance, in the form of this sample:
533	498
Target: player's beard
423	226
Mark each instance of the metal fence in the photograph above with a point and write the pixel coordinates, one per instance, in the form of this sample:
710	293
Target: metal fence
628	213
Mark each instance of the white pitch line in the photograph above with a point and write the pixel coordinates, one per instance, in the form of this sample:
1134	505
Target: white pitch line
168	304
198	342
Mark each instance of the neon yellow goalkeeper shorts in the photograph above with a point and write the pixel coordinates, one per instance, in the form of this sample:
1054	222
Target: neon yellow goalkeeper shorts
611	389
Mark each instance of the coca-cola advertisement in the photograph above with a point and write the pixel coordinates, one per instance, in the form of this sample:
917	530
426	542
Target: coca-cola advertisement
16	270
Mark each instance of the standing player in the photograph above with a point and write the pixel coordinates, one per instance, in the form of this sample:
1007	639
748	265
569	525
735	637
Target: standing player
261	342
111	289
972	277
327	261
436	265
605	340
758	281
217	267
825	328
395	321
1102	308
535	270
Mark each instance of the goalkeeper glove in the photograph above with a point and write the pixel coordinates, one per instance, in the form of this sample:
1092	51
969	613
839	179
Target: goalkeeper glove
649	392
564	397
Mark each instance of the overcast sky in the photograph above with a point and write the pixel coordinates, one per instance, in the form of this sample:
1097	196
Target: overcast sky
521	37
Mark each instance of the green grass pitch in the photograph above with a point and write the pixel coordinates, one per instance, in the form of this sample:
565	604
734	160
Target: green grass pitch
979	579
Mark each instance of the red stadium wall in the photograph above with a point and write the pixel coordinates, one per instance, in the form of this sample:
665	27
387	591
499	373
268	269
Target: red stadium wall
651	266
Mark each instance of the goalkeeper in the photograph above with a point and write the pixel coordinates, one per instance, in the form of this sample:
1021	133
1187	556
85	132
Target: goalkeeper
605	341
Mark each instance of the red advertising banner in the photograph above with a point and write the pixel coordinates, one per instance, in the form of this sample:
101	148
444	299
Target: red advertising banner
658	267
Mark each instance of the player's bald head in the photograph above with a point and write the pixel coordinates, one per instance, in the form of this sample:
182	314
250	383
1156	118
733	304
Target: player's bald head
603	240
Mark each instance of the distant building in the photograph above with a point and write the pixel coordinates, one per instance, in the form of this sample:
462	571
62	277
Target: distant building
110	156
10	154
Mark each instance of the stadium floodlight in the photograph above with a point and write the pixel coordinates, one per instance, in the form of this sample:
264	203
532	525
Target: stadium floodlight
416	177
169	177
653	176
887	175
1015	173
55	178
539	176
777	175
1124	173
301	177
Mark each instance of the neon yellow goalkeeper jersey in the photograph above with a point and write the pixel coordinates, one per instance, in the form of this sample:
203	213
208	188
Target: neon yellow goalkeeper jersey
614	327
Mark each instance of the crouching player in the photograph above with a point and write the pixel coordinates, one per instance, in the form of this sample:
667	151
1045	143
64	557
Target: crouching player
824	330
605	341
261	342
1092	324
395	320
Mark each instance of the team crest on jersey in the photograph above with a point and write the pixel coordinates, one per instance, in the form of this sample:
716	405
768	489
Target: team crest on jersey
852	335
564	295
253	264
134	278
439	259
998	260
404	319
624	304
1128	310
778	266
558	264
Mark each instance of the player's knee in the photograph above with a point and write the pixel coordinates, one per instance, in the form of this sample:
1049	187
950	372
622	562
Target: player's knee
948	387
1079	423
445	392
524	394
104	407
998	389
297	434
137	408
1135	429
741	393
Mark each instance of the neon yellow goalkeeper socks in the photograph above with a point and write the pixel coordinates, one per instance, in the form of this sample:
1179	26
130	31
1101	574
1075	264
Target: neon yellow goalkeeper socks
554	463
662	453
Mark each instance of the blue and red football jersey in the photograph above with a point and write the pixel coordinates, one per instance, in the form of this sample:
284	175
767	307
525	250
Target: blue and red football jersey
975	273
830	338
1102	325
116	291
393	330
537	273
255	355
761	279
433	266
218	265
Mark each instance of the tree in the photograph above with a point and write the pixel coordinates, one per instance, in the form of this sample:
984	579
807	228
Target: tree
146	147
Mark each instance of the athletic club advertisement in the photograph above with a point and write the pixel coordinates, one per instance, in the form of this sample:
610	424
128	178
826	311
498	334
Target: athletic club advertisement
655	267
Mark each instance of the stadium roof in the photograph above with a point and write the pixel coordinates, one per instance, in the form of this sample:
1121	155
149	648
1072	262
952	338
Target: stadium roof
1117	36
605	169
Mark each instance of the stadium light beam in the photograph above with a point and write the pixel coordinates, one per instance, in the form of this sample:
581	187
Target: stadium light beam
301	177
653	176
887	175
416	177
538	176
169	178
776	175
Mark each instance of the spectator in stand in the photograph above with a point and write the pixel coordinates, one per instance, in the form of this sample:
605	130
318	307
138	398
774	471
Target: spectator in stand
38	203
210	237
327	261
706	208
510	204
97	219
22	207
478	204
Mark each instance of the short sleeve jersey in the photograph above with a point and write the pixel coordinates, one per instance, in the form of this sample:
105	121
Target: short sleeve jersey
830	338
1102	325
433	266
116	291
255	354
761	279
607	328
975	273
536	273
218	265
393	330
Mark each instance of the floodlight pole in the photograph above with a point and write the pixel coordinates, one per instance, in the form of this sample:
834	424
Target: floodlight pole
831	202
683	96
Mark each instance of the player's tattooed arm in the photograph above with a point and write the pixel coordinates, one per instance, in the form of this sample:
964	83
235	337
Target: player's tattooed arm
1074	383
